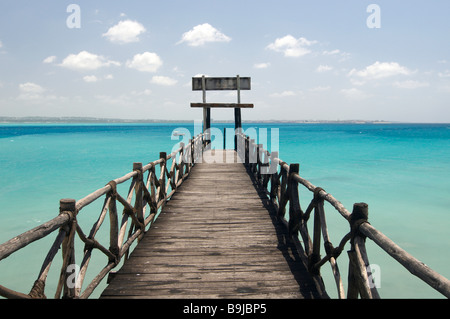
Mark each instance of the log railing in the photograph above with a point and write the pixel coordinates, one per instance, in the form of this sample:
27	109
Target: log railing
150	189
281	183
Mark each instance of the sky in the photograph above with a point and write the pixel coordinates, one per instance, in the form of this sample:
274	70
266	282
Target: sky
308	60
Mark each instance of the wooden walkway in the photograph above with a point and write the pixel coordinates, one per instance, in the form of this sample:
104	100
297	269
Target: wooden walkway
216	238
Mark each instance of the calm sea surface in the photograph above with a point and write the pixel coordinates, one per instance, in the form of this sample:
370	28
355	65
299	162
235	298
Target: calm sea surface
401	170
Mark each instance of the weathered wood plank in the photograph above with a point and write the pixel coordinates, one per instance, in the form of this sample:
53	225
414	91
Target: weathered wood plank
216	238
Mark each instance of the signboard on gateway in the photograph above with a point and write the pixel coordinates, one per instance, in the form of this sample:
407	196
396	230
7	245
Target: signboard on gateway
223	83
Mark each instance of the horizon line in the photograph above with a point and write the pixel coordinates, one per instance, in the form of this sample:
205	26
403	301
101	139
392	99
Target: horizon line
88	119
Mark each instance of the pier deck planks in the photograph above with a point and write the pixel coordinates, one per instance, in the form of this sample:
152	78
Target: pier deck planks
216	238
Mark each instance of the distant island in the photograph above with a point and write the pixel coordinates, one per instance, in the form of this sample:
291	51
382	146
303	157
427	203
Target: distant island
42	119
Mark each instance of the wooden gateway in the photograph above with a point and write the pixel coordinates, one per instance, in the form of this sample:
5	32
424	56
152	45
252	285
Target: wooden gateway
221	83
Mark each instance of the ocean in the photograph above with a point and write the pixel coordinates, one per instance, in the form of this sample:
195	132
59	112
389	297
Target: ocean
402	171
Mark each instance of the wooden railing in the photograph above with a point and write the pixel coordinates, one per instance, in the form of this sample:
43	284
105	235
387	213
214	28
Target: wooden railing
149	189
281	182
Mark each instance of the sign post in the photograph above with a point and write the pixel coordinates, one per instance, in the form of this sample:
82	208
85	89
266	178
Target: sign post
223	83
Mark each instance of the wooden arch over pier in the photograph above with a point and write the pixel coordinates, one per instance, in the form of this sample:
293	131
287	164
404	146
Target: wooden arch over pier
221	83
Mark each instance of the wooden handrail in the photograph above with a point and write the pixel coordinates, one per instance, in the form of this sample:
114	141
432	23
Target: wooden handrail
153	191
282	192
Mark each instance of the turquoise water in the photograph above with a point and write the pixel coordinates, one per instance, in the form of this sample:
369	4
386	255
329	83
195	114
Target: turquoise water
401	170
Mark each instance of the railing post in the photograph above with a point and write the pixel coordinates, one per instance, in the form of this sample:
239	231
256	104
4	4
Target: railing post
67	206
252	155
224	138
315	256
273	164
273	171
180	169
294	201
190	154
258	162
139	192
283	195
198	150
358	263
162	182
247	150
114	222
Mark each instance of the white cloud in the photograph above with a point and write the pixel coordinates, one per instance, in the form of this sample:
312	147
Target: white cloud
357	82
283	94
354	94
332	52
33	92
203	33
126	31
410	84
320	89
146	92
163	80
324	68
445	74
290	46
145	62
121	100
338	53
86	61
261	65
49	59
444	88
90	78
380	70
30	87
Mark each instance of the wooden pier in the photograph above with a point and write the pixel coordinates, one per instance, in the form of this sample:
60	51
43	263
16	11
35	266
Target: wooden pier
212	224
218	237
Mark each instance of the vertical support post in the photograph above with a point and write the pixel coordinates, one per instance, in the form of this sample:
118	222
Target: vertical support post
139	191
206	113
114	222
282	194
162	181
67	206
252	157
208	126
259	148
204	101
241	148
315	256
237	113
352	290
190	154
247	150
180	168
294	200
358	280
224	138
273	171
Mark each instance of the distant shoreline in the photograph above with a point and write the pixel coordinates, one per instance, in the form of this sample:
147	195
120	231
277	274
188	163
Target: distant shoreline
38	119
87	120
